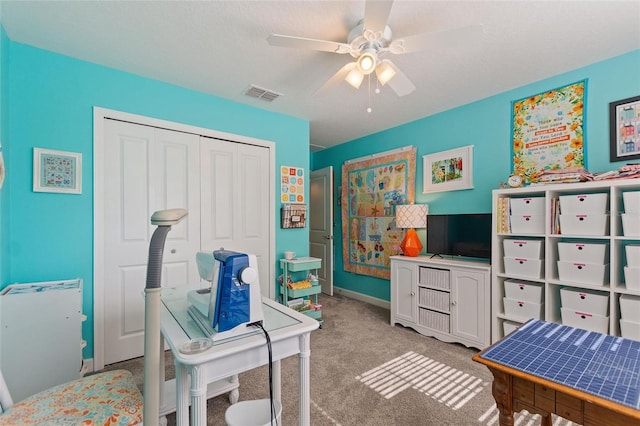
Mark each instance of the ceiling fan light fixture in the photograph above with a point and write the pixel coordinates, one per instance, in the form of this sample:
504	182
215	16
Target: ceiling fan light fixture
354	78
385	72
367	62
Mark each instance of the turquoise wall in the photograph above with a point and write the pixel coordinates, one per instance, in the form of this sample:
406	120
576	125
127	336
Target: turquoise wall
50	105
4	192
486	125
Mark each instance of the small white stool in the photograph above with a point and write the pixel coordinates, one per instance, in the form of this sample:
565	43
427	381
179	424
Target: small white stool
252	413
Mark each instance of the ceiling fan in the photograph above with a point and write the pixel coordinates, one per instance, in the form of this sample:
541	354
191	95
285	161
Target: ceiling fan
369	41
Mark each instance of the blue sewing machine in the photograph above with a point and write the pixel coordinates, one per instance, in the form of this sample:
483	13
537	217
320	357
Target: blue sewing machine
233	303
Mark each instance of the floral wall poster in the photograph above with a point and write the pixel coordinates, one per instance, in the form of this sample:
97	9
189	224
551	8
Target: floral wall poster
371	189
548	132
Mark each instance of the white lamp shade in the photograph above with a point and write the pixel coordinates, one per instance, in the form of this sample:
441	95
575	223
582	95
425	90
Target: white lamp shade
367	62
354	78
412	215
385	72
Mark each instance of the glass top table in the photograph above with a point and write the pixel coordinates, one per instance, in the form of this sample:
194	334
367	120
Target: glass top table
289	333
175	300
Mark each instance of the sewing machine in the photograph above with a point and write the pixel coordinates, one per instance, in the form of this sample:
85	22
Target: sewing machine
232	305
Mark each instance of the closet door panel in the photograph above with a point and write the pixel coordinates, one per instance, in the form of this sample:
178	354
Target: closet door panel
176	170
235	201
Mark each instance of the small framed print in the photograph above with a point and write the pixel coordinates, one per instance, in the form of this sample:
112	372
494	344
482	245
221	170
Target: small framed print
448	170
57	171
624	129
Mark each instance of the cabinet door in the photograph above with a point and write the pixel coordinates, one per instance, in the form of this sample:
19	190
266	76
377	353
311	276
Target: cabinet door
469	304
404	282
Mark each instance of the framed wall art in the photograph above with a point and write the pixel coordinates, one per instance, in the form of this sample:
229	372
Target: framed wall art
547	132
57	171
448	170
624	129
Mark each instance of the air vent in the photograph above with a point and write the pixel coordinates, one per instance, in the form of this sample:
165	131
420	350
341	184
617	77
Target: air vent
262	94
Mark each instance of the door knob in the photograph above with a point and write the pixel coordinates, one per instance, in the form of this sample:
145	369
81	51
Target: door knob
329	237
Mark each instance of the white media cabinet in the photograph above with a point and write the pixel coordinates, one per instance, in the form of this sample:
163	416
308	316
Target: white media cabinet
609	233
444	298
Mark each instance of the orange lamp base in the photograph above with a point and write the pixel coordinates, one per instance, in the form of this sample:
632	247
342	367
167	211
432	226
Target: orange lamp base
411	245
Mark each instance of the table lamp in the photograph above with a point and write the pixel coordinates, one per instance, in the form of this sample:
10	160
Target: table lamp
411	216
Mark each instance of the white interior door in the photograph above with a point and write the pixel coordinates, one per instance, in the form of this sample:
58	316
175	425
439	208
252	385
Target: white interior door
148	169
235	202
321	224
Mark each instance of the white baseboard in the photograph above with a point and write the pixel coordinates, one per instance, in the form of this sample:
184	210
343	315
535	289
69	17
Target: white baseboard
87	366
362	297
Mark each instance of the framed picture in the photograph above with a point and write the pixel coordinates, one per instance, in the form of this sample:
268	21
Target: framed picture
57	171
624	129
547	132
448	170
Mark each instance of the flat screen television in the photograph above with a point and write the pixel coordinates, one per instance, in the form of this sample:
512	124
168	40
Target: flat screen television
465	235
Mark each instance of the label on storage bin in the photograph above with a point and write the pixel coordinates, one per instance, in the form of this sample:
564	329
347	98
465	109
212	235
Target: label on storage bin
583	314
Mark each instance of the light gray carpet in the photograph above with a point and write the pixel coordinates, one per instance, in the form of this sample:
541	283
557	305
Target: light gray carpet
366	372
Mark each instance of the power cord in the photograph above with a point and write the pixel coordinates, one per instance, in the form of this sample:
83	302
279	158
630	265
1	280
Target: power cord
274	415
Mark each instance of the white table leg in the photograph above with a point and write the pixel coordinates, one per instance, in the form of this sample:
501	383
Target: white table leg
305	385
234	395
277	380
198	396
182	395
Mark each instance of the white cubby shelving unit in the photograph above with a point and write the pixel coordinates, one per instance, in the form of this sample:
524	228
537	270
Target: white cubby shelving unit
612	234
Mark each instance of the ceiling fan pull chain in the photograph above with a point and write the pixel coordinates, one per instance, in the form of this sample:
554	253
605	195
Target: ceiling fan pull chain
369	84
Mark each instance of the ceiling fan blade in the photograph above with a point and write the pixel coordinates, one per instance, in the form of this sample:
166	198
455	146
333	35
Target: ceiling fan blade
400	83
437	40
308	43
336	78
376	13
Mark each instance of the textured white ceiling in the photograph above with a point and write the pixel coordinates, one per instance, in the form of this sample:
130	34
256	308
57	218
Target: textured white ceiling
220	48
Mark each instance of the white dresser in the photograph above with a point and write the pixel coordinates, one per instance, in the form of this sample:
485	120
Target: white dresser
443	298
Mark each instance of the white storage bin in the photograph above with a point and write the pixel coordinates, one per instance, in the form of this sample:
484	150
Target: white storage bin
531	249
253	413
633	255
630	224
521	309
584	224
523	290
581	252
509	326
523	267
585	320
583	300
527	224
586	273
631	201
584	203
527	206
632	278
630	308
630	329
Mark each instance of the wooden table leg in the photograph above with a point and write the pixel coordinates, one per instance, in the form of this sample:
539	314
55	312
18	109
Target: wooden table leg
546	420
501	391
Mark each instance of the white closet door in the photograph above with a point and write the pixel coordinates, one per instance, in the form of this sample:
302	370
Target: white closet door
235	201
147	169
